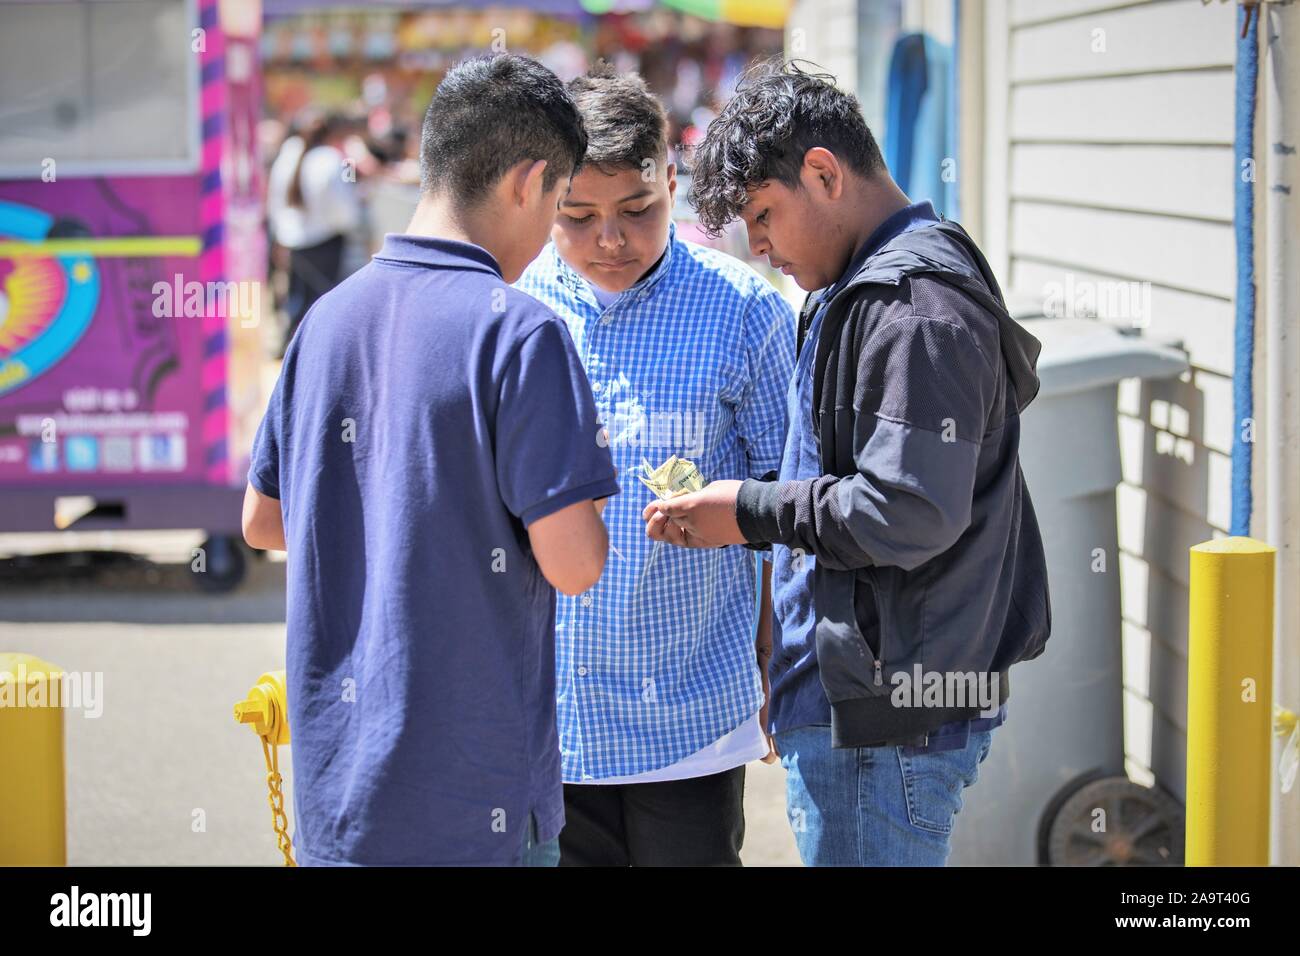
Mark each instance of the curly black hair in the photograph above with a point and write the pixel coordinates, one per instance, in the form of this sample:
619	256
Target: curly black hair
779	112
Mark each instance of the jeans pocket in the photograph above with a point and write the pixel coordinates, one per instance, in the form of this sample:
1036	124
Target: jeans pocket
933	783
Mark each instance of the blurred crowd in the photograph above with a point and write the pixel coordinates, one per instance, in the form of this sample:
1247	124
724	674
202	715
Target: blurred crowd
347	92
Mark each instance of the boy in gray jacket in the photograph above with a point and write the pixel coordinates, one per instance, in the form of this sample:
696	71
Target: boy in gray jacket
908	570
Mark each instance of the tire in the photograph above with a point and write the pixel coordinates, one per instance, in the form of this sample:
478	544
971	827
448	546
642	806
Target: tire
1140	826
226	565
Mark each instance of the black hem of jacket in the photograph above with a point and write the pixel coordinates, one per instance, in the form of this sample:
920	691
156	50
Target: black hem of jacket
876	722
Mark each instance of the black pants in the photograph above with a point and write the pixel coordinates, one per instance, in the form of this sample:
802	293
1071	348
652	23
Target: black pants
699	821
313	271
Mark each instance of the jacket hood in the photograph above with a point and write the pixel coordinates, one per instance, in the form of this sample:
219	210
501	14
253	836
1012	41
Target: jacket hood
945	251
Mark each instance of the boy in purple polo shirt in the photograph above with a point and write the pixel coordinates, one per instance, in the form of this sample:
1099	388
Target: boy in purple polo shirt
432	462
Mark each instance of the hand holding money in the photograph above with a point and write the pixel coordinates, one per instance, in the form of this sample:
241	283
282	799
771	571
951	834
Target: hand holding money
689	513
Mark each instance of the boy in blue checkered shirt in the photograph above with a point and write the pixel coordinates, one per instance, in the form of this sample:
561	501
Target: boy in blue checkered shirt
660	668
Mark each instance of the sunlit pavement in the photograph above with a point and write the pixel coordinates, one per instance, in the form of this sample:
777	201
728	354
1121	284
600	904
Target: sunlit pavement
164	776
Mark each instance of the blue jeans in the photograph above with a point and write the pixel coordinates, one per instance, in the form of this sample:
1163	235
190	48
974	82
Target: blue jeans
874	806
539	854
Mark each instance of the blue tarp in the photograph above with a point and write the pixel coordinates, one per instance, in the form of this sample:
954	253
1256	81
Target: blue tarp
917	127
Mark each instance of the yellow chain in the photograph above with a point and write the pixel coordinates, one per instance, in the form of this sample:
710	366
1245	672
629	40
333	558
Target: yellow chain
276	800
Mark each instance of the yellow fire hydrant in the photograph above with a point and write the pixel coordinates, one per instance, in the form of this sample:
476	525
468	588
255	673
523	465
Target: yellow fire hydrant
266	708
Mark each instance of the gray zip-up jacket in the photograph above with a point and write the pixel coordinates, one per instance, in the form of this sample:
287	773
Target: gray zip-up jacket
928	555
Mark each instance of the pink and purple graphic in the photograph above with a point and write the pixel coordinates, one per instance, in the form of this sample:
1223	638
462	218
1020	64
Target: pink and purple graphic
99	380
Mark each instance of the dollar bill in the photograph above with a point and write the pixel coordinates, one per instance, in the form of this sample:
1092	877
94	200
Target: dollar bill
676	476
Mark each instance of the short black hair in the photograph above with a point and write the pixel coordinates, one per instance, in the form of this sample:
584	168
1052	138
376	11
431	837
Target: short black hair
778	113
491	112
626	124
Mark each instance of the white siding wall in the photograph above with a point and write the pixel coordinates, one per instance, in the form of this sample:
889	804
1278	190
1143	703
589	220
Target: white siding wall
1108	156
826	32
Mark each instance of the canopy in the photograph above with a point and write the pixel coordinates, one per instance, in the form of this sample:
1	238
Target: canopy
282	8
746	13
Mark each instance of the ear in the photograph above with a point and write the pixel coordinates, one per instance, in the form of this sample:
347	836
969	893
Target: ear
528	183
671	173
822	173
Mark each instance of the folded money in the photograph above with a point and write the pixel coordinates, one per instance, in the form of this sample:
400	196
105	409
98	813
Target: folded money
676	476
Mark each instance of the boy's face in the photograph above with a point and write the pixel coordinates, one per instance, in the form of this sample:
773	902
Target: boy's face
794	228
613	226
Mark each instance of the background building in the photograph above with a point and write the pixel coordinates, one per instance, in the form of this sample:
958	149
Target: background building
1095	147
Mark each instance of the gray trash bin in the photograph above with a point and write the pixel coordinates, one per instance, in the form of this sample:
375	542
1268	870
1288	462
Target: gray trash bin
1064	736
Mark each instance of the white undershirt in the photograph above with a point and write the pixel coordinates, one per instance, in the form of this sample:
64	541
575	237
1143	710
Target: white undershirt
606	299
729	751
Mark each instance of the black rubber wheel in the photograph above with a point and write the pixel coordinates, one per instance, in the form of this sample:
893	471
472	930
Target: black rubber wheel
226	564
1053	807
1143	826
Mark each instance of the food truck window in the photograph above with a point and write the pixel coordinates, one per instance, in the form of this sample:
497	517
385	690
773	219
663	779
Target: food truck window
98	87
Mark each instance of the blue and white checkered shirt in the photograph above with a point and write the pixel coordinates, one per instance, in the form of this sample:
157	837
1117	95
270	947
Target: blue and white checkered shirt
657	660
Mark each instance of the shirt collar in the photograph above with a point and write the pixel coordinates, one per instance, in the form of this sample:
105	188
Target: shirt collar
899	222
641	288
437	252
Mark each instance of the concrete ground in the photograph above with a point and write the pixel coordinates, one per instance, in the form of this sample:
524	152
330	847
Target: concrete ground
165	776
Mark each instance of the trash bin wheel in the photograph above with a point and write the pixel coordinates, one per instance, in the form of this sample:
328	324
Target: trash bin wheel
226	565
1142	826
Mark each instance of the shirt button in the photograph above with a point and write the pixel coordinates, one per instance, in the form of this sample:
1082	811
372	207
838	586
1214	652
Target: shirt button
582	671
586	600
606	320
595	386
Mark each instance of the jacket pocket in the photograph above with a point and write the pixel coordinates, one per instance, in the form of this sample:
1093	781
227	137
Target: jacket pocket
866	612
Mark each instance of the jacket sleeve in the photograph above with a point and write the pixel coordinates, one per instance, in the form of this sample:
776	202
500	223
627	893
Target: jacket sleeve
921	405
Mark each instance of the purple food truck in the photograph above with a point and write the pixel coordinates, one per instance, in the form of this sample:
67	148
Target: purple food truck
132	260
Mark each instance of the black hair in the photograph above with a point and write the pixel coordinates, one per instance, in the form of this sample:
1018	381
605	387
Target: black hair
778	113
626	124
490	113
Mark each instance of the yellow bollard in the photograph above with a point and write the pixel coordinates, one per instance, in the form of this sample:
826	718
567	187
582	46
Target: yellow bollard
1229	702
33	807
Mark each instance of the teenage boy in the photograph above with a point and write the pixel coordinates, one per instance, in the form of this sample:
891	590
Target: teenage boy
429	460
689	352
906	548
